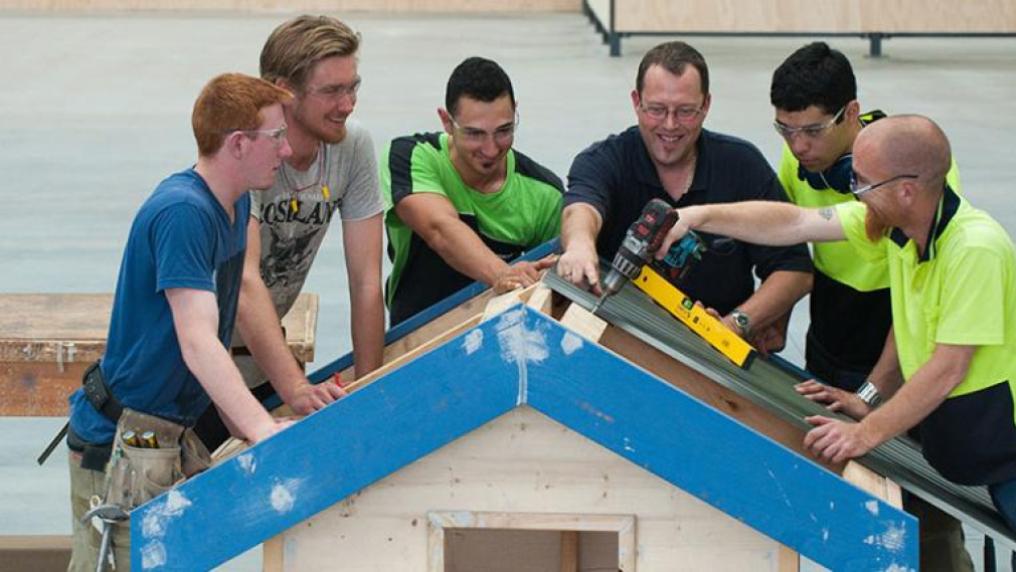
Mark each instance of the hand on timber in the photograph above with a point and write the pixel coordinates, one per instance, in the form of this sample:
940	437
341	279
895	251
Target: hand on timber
834	398
308	398
522	274
581	266
836	441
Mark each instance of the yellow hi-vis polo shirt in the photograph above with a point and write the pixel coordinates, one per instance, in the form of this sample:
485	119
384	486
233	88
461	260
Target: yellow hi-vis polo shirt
836	259
961	291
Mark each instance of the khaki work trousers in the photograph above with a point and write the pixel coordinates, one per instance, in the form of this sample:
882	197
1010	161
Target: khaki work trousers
85	549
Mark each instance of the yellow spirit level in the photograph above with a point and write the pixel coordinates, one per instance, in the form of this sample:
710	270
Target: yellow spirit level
695	317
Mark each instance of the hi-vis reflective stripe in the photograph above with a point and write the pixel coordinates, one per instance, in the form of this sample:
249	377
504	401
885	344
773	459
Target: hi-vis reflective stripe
695	317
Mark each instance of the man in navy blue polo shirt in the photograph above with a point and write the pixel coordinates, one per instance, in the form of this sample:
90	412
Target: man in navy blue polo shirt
670	156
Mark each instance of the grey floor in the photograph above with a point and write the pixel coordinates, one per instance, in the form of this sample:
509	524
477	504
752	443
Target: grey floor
95	111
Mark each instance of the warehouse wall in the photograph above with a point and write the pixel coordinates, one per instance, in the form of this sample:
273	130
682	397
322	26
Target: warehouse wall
330	6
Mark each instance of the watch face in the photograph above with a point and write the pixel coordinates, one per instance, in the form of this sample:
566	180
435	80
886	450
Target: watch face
741	319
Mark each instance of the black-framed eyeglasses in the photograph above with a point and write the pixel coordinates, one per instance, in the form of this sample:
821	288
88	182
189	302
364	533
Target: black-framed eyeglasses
501	135
862	190
810	131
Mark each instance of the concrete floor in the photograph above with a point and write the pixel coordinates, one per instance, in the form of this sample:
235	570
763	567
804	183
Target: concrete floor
95	111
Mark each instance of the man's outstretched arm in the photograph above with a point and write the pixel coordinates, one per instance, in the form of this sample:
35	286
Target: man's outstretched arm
759	222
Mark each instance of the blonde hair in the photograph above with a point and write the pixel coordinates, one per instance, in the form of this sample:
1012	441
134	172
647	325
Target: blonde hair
295	46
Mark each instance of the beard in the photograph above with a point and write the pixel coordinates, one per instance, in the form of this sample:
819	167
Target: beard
875	225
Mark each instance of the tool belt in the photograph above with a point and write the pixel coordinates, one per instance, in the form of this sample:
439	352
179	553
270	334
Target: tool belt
159	452
93	457
150	455
99	395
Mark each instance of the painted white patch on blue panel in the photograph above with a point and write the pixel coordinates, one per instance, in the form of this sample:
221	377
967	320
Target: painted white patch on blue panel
892	539
248	462
521	345
153	555
473	341
154	523
570	342
825	534
283	495
872	507
627	445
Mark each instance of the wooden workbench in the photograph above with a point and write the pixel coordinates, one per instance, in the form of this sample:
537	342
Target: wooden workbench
48	340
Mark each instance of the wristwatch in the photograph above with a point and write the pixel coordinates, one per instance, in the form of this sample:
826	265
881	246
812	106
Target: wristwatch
868	393
742	321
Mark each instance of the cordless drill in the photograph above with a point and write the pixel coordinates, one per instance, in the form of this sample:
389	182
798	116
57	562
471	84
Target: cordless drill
642	240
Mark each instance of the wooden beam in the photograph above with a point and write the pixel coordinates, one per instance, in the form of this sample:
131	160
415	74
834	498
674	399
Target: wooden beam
49	340
272	555
541	299
874	483
583	322
787	560
467	310
698	385
504	301
569	551
35	552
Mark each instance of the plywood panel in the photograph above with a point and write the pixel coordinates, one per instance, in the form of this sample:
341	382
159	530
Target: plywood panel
737	16
330	6
804	16
523	462
938	15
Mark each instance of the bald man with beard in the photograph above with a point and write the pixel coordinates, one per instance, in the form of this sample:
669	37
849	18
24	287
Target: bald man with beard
949	362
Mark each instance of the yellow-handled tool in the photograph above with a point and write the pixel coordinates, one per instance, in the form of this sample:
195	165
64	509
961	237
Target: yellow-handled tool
695	317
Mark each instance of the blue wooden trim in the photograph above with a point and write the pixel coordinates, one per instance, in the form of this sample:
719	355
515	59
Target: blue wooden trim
412	324
518	357
328	456
717	459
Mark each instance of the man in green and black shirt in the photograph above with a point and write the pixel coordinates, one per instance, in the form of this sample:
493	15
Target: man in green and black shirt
460	205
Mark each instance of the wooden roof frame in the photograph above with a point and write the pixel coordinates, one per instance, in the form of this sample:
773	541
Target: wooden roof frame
474	372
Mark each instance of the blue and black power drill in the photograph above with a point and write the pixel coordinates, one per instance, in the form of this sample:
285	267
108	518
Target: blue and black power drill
642	240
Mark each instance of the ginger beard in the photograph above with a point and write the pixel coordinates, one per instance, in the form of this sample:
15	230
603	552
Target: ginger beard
875	224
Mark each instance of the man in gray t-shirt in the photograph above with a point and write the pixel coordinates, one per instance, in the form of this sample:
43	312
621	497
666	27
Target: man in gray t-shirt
332	172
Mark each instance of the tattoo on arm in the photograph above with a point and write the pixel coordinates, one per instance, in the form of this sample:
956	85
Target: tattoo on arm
826	213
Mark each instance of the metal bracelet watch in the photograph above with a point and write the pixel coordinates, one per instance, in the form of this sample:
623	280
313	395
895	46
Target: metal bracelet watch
868	393
742	321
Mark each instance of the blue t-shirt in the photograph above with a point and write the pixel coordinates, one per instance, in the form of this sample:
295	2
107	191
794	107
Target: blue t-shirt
181	238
